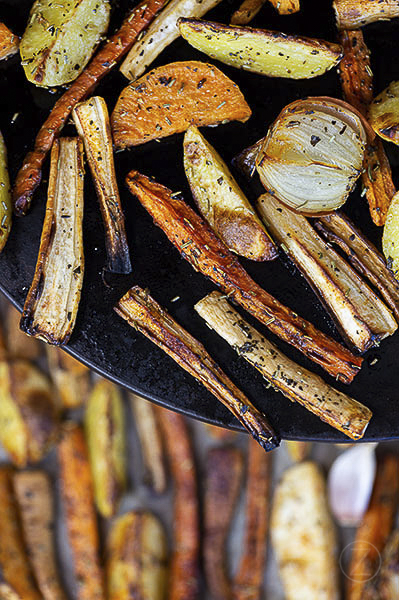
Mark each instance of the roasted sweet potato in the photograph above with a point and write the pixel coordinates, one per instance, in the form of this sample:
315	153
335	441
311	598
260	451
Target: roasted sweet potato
245	12
260	50
5	196
353	14
206	253
9	42
70	377
171	98
30	174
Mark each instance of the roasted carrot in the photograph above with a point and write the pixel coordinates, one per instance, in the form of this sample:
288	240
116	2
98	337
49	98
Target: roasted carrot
207	254
102	63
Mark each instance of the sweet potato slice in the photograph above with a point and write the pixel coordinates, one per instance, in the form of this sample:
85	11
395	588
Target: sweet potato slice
9	42
171	98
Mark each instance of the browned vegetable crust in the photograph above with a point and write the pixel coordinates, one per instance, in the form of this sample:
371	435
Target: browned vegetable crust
207	254
14	561
249	577
184	568
171	98
357	86
30	174
34	495
246	12
80	515
147	316
373	533
8	42
286	7
223	474
352	14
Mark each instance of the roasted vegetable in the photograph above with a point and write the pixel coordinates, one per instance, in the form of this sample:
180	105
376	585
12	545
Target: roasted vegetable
144	314
5	196
383	113
249	577
303	535
363	319
60	38
353	14
34	496
20	345
30	174
92	122
223	474
9	42
260	50
220	434
70	377
147	426
365	257
295	382
28	419
245	12
51	305
386	585
162	32
171	98
137	558
207	254
377	524
221	201
8	593
14	561
298	450
80	515
286	7
183	582
390	236
105	433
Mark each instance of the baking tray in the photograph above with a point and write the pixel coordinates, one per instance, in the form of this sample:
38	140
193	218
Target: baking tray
105	342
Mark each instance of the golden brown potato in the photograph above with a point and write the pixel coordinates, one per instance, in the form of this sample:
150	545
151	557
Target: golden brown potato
383	113
70	377
5	196
390	236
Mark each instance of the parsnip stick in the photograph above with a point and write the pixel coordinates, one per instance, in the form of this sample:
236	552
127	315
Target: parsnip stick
353	14
246	12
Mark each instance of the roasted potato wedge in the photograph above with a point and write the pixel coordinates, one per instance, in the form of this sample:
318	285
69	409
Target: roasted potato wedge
105	433
137	558
390	236
303	535
28	418
221	201
9	43
70	377
5	196
35	500
171	98
245	12
384	113
261	51
60	38
353	14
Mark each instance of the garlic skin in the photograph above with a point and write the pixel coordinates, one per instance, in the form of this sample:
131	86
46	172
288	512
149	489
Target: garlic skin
313	155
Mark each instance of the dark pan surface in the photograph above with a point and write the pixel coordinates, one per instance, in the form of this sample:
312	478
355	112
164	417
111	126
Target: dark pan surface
102	339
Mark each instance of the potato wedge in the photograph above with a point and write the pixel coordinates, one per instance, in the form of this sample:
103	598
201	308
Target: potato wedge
171	98
261	51
60	39
9	43
303	535
5	196
245	12
70	377
353	14
286	7
383	113
20	345
221	201
162	32
14	561
105	433
52	303
80	515
137	558
390	237
28	417
35	500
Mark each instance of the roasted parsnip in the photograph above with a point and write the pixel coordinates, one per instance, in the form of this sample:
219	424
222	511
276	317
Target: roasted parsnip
51	305
147	426
353	14
105	434
80	515
245	12
362	318
295	382
184	569
14	561
377	524
260	50
303	535
30	174
286	7
207	254
147	316
383	113
5	196
248	580
137	558
221	201
92	122
390	236
9	42
71	378
162	32
28	417
223	475
171	98
363	255
35	500
20	345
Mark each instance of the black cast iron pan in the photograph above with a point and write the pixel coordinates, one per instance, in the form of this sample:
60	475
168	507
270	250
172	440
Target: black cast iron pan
103	340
